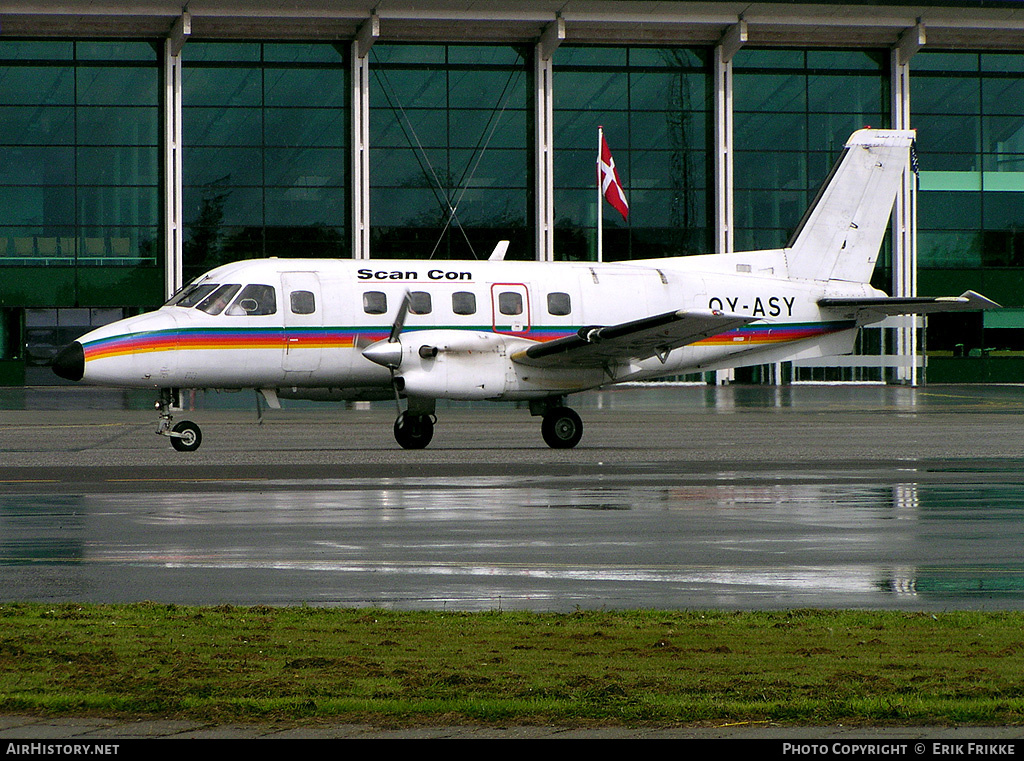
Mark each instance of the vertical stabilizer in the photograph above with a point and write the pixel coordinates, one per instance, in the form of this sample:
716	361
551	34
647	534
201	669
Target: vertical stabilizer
841	233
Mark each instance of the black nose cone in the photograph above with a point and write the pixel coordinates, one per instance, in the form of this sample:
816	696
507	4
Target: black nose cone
70	362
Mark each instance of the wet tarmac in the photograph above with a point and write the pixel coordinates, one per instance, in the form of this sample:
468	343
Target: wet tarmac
678	497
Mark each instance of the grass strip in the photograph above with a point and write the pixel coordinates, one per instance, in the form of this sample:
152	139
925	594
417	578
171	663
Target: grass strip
601	667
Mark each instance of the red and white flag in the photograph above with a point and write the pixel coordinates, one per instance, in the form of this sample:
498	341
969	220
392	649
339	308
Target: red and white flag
608	177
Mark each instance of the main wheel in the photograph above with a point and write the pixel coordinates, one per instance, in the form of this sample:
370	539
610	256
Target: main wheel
190	436
562	428
414	431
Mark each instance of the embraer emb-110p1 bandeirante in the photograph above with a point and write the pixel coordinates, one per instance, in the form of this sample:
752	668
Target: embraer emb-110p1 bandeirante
516	331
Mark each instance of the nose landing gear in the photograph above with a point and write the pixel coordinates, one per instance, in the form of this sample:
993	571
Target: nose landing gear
185	436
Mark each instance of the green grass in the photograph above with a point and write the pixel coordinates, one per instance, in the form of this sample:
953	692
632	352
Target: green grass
618	667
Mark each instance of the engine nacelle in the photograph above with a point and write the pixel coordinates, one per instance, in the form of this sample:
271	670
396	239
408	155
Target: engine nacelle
456	364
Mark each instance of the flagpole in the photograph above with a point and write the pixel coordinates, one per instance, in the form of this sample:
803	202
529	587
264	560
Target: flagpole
600	198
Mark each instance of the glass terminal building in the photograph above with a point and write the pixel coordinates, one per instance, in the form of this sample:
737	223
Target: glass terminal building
141	144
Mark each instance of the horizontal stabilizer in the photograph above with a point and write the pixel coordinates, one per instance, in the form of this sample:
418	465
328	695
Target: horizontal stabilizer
599	346
966	302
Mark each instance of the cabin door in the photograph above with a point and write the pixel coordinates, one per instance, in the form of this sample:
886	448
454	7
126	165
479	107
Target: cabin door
510	308
303	311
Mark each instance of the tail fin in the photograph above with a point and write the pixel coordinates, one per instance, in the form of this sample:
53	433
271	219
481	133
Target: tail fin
839	236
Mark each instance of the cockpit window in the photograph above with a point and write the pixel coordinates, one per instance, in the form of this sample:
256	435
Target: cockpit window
254	300
189	297
220	298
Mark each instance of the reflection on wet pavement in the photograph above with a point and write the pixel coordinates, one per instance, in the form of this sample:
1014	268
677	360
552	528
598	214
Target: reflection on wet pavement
938	539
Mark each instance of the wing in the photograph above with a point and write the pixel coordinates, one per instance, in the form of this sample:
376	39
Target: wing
599	346
969	301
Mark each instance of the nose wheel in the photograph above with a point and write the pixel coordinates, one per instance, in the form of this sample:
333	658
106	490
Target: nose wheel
185	436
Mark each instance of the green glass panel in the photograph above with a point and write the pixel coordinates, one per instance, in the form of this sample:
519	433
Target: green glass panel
118	206
671	90
306	206
222	126
504	129
222	87
29	50
480	55
223	165
324	88
120	50
786	170
749	58
407	54
845	92
770	92
1005	210
306	126
866	60
568	55
601	91
668	57
316	52
928	60
132	125
949	210
109	86
766	131
196	52
37	85
305	167
496	89
946	134
36	165
1001	95
37	125
944	94
396	90
654	130
1007	63
425	127
948	249
118	166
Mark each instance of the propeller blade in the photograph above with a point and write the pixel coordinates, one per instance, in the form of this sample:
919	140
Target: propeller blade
399	323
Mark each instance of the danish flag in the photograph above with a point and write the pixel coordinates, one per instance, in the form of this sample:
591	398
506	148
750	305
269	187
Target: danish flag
608	176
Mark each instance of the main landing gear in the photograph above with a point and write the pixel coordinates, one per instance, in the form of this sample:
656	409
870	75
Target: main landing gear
185	436
560	426
414	431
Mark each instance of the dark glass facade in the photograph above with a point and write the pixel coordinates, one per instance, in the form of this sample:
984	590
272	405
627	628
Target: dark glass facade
793	111
969	112
449	151
655	107
265	133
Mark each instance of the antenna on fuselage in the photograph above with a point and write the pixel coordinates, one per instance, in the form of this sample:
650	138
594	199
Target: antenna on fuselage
498	254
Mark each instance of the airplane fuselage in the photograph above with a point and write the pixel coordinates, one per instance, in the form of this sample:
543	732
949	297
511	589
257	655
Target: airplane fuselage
293	323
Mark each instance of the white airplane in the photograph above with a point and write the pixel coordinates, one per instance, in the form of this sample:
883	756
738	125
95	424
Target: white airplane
515	331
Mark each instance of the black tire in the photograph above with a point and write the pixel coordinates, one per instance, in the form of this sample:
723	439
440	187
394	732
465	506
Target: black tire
562	428
190	439
414	431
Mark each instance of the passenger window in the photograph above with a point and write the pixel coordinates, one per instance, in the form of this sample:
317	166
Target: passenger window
302	302
464	302
375	302
419	302
510	302
220	298
559	304
254	300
